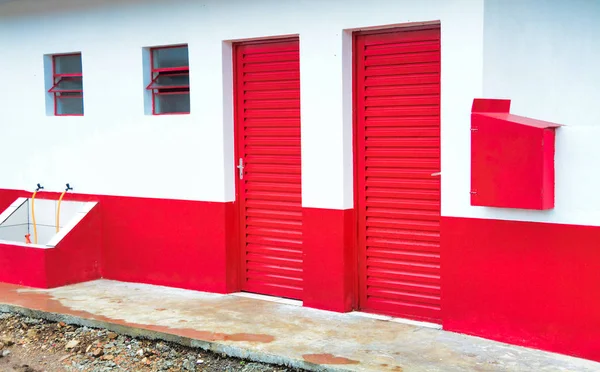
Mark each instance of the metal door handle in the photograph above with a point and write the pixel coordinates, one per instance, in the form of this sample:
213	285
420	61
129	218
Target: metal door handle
241	168
436	174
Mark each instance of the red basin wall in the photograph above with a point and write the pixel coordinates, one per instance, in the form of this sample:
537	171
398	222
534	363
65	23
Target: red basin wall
75	259
23	266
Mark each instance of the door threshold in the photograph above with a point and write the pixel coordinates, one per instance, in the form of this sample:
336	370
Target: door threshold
416	323
280	300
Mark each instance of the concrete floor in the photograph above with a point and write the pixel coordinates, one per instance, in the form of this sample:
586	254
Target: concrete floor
276	332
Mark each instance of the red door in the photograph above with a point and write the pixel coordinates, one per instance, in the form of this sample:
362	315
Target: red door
398	159
269	191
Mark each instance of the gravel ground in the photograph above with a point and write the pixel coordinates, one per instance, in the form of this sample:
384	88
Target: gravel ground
34	345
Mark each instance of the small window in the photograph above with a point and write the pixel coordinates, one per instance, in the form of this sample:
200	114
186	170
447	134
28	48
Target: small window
67	84
170	80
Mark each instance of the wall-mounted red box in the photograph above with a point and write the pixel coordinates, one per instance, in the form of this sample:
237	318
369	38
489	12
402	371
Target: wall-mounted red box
512	158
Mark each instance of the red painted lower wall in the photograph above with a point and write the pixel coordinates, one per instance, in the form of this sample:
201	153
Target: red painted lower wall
23	266
177	243
530	284
523	283
184	244
329	259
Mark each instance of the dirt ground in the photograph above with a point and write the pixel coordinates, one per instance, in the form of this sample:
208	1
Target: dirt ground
34	345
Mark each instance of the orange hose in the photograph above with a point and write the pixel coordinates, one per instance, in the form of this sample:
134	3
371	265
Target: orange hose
58	211
35	236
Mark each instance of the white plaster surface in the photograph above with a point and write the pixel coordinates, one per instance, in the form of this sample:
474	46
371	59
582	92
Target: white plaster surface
543	55
117	149
540	53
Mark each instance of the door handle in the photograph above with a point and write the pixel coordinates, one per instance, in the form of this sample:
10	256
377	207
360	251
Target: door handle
240	168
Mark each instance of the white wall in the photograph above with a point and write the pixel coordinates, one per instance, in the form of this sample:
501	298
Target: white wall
116	149
545	56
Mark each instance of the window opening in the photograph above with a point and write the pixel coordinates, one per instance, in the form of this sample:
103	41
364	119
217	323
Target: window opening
67	88
170	80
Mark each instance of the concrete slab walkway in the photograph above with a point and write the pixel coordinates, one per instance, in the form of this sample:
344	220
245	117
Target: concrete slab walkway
276	332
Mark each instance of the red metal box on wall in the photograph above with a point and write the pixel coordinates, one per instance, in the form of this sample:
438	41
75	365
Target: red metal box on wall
512	158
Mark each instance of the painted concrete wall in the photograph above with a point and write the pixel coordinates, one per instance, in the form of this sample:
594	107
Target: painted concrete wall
531	283
544	55
116	149
540	53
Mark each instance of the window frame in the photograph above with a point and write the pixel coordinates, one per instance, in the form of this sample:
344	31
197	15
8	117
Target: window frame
58	78
156	72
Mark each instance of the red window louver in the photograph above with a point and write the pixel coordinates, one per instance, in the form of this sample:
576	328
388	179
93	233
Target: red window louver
67	88
170	84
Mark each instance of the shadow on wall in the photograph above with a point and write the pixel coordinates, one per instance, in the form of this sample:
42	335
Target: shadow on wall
28	8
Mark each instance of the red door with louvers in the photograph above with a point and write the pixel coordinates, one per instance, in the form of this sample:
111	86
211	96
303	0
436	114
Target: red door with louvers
268	173
397	98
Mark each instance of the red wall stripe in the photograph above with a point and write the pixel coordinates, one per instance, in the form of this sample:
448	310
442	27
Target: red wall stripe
177	243
524	283
329	259
530	284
